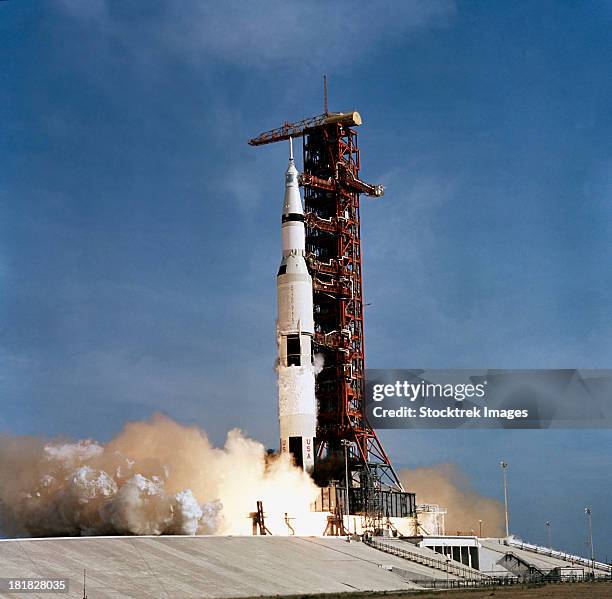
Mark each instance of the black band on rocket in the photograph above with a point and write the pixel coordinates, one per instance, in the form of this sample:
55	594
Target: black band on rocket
293	216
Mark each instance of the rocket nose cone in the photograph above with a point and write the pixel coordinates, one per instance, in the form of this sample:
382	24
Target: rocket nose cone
292	203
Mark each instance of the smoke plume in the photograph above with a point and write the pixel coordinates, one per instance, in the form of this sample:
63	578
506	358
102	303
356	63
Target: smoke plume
155	477
446	486
319	363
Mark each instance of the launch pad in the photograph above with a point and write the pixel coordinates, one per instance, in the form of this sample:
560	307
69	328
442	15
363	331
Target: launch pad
348	452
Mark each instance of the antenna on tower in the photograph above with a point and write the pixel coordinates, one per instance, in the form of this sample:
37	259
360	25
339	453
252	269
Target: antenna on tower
325	107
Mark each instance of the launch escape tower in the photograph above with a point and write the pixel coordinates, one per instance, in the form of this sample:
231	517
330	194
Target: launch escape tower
333	251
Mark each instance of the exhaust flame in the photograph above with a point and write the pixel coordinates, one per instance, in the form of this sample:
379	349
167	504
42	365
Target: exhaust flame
155	477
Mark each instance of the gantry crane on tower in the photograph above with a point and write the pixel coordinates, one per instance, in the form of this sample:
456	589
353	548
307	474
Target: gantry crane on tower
342	172
332	187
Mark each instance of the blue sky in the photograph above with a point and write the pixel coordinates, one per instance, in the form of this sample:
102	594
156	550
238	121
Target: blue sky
139	234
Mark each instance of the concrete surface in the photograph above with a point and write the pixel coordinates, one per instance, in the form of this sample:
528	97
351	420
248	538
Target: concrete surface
226	567
204	566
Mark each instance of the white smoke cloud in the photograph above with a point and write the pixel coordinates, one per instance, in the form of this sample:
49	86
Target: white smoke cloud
73	452
155	477
319	363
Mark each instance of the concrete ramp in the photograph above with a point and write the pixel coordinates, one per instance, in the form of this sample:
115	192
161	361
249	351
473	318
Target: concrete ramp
220	567
492	554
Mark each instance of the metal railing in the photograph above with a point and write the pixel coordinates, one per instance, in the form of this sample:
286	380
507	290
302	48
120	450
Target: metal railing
425	560
454	583
495	581
567	557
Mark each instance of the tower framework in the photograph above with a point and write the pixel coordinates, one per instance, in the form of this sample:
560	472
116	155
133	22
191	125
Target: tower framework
333	251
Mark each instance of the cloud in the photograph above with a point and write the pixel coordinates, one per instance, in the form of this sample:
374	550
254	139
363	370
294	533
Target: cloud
274	33
92	9
405	272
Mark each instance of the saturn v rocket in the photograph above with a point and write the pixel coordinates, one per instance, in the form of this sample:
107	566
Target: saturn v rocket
297	406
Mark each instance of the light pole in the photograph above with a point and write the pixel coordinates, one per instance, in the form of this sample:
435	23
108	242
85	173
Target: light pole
447	565
504	467
480	528
589	514
549	535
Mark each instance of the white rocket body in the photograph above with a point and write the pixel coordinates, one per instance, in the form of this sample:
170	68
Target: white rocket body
297	407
